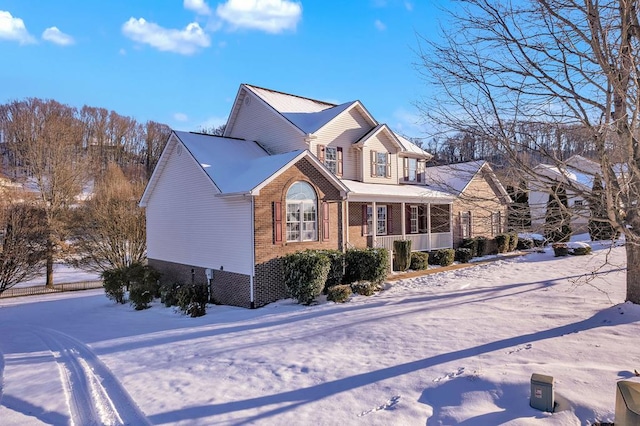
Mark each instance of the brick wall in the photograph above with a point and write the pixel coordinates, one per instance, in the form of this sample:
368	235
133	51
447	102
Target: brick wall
227	288
269	285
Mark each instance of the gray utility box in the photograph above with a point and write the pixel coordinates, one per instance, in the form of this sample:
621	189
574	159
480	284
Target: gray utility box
627	403
542	397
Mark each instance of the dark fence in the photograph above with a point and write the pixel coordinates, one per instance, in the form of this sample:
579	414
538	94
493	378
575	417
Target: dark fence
57	288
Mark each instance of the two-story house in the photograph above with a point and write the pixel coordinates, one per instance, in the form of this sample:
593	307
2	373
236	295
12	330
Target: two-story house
289	174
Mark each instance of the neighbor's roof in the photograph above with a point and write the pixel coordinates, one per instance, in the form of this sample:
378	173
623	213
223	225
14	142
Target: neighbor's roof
580	178
457	177
359	191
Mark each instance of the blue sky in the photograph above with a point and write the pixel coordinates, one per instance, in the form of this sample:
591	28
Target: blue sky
180	62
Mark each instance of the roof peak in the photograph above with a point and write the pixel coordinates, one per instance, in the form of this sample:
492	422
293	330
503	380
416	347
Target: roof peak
329	104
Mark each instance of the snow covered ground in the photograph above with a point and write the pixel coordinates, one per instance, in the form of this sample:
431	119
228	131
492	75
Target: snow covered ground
456	347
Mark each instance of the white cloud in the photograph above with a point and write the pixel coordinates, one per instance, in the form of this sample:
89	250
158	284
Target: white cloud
54	35
198	6
185	42
380	26
179	116
14	29
272	16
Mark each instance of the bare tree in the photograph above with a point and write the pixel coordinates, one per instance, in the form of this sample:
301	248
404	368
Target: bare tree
110	228
156	136
43	136
554	61
23	243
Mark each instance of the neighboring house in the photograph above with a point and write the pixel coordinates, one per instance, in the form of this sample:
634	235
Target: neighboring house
289	174
577	174
480	207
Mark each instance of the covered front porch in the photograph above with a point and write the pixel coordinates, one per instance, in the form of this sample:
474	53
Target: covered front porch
378	215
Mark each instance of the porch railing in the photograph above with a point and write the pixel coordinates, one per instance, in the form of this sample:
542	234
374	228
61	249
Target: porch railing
419	242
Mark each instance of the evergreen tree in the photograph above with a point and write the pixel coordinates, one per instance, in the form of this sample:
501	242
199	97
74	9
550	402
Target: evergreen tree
600	227
557	218
519	212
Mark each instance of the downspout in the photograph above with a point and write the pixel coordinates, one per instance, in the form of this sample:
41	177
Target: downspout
253	254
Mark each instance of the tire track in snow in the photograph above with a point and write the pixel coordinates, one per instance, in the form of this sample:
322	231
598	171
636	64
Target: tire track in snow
94	394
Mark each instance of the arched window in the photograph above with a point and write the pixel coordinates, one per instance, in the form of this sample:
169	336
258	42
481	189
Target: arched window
302	217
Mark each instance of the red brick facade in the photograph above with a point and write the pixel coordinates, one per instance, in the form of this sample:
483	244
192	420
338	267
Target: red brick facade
269	285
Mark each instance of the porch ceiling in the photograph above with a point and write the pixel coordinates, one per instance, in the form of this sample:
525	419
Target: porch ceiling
367	192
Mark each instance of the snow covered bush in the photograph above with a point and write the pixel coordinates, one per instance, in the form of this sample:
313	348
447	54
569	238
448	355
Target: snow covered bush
192	299
305	274
419	261
370	264
339	293
463	254
363	288
579	249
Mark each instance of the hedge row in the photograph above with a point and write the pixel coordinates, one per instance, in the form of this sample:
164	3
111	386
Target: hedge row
308	273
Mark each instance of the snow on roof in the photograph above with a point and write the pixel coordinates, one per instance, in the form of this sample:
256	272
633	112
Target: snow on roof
574	175
372	190
410	147
584	165
452	177
311	122
284	102
234	165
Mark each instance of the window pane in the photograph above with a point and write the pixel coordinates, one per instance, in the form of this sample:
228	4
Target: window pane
330	157
413	168
381	164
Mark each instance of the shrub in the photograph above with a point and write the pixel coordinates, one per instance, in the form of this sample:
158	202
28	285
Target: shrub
305	274
113	282
339	293
192	299
169	293
524	243
141	295
141	280
363	288
419	260
502	242
442	257
336	267
513	241
581	250
560	249
370	264
471	244
483	246
402	258
463	255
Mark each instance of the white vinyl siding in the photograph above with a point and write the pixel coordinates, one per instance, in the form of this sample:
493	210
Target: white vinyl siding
379	144
187	224
343	132
257	121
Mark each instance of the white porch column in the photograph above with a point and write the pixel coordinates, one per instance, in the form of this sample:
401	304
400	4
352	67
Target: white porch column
345	221
429	226
403	220
374	224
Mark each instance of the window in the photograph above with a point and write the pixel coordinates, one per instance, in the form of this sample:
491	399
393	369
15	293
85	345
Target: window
380	164
465	224
413	170
302	218
330	159
440	218
383	220
496	223
413	220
